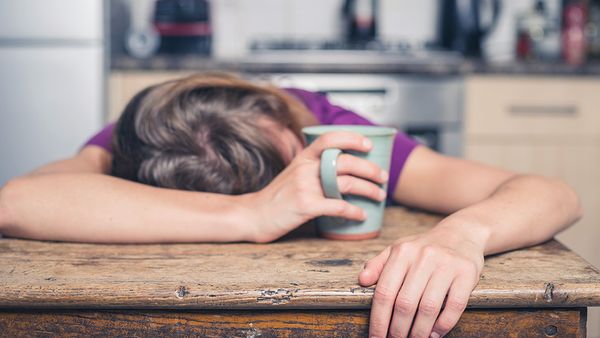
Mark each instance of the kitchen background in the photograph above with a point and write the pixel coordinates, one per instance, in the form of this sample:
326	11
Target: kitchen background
510	83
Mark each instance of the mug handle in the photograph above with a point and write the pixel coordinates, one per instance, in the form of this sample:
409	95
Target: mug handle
328	172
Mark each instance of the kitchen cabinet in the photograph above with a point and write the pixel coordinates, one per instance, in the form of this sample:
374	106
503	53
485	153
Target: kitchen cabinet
548	126
122	86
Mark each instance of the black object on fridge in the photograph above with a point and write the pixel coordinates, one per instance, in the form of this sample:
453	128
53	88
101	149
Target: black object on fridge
465	23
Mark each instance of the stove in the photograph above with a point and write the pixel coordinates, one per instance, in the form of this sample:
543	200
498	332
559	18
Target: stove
336	51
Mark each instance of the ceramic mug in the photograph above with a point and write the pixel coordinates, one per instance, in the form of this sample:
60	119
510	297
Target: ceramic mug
380	154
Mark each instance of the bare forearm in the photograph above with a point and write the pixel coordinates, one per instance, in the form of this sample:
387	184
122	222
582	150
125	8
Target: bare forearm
523	211
100	208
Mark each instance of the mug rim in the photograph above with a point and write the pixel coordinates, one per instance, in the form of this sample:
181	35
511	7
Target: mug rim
361	129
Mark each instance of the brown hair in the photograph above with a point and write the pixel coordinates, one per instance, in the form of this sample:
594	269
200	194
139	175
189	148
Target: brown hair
202	133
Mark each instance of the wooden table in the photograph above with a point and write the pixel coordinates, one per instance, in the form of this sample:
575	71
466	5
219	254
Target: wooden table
301	285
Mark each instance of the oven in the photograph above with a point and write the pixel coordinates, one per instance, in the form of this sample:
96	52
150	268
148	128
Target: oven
428	108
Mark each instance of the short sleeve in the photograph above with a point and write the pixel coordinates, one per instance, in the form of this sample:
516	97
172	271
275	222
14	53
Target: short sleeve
330	114
103	138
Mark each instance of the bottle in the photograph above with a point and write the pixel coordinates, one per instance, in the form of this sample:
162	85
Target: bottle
573	34
538	34
593	30
360	20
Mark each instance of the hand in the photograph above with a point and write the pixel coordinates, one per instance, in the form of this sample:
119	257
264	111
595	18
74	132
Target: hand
295	196
416	274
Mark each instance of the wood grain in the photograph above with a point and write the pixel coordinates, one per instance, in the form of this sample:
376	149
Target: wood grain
284	323
300	271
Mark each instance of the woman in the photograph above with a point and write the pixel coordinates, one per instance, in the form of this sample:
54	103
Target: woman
220	159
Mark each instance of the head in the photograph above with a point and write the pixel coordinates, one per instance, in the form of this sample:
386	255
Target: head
207	132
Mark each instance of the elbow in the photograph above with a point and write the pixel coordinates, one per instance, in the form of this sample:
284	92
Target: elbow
9	194
4	218
569	202
578	214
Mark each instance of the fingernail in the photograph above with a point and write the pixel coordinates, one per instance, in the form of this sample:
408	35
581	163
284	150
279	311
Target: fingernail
381	194
367	143
434	335
364	214
384	175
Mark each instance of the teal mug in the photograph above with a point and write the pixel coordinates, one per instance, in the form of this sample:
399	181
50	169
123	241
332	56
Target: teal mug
380	154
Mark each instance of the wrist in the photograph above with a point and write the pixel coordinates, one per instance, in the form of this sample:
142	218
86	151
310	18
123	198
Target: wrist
467	227
250	217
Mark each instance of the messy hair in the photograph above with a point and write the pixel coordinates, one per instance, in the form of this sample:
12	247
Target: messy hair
202	133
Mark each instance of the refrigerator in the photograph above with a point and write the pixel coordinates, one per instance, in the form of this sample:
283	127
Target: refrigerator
52	80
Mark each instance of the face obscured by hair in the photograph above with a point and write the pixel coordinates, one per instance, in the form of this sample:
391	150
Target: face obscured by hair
206	133
286	141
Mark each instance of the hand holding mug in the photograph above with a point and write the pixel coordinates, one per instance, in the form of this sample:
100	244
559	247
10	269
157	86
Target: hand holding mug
350	229
295	196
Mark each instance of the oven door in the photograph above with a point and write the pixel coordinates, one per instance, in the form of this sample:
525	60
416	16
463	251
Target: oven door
427	108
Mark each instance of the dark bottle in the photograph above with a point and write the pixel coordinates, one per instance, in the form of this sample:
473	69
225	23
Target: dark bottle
360	20
593	29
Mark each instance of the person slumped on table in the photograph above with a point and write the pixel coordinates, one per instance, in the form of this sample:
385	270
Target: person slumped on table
213	158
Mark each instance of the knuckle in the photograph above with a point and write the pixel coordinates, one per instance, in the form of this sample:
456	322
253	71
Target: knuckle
431	252
341	209
396	334
377	329
384	294
345	184
405	305
344	162
404	248
428	307
444	324
456	304
327	139
419	333
374	170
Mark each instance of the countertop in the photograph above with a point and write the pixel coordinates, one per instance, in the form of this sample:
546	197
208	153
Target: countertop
299	271
357	63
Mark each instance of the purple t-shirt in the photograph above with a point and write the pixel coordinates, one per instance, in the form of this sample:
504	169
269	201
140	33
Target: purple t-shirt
327	114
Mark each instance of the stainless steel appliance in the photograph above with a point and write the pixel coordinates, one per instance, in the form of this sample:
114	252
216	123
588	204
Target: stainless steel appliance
427	108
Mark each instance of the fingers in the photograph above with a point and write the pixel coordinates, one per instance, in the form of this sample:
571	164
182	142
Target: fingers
340	208
373	268
390	280
431	303
458	297
407	301
355	166
338	139
349	185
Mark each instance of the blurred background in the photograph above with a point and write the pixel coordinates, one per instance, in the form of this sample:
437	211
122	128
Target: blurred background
510	83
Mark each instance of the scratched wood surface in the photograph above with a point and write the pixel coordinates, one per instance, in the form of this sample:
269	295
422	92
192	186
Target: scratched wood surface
300	271
281	323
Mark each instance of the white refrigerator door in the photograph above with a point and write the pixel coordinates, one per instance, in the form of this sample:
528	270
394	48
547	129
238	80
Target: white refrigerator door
51	80
51	100
56	20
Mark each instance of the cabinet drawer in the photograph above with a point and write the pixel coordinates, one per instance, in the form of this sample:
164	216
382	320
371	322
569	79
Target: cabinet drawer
508	105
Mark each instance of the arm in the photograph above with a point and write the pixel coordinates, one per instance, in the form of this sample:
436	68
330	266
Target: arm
490	211
511	210
74	200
